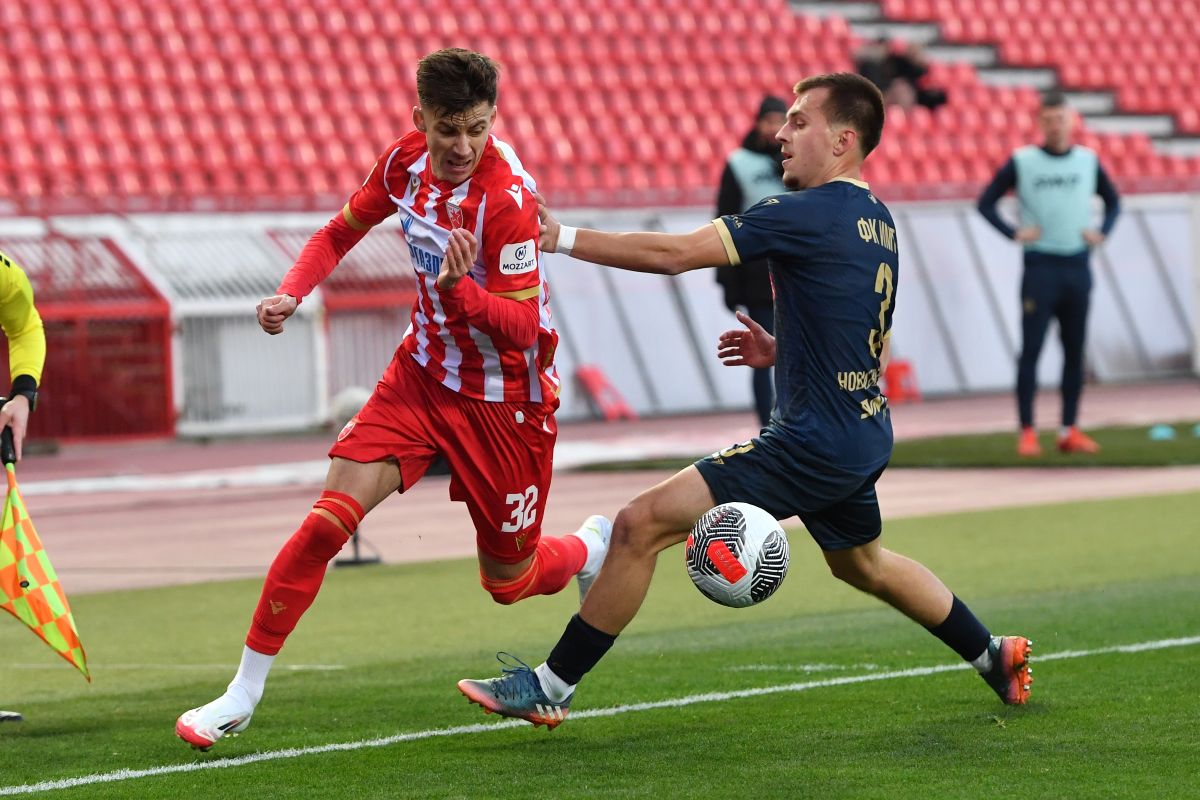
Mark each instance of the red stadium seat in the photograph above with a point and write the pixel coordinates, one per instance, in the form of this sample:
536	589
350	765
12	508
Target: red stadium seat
148	103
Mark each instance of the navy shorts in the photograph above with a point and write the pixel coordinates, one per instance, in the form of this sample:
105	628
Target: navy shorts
838	507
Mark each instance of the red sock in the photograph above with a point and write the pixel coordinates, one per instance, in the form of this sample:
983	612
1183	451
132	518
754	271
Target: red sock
555	562
295	576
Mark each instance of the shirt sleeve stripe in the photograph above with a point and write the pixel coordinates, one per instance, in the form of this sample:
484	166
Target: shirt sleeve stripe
353	221
520	294
727	240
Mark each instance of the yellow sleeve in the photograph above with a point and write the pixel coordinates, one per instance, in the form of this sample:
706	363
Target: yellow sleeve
21	322
731	251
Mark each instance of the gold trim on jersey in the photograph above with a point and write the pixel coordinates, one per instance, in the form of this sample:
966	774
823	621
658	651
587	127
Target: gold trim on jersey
520	294
353	221
726	239
855	181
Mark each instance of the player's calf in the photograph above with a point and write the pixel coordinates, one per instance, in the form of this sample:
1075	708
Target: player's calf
555	561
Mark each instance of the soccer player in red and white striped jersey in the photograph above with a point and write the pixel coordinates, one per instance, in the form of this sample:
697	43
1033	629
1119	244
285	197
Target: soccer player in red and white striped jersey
473	380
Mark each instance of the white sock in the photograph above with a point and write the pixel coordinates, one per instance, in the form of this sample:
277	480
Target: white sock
252	674
984	662
556	688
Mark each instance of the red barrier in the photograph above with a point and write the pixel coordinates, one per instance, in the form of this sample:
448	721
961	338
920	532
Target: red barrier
108	341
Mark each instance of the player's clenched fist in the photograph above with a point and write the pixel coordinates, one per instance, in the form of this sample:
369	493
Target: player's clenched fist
460	257
272	311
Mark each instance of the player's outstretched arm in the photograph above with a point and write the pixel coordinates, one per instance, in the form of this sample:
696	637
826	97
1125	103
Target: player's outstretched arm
751	347
273	310
659	253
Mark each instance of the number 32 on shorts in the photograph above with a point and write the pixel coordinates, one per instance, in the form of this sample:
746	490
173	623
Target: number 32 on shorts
524	510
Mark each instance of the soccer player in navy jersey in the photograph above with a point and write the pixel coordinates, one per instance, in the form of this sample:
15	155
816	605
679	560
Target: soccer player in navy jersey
834	261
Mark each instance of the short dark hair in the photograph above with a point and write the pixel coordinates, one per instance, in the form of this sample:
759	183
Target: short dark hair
853	100
453	80
1053	99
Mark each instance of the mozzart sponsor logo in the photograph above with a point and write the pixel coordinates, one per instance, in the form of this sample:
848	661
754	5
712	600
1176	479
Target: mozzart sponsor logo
519	258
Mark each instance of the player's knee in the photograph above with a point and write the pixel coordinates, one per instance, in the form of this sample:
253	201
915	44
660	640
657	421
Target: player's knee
637	531
318	538
627	526
506	591
340	508
504	597
860	574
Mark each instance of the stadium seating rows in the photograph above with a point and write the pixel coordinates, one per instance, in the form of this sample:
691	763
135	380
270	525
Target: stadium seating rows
1144	51
129	105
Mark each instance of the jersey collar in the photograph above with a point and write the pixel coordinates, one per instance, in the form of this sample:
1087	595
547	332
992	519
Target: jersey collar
855	181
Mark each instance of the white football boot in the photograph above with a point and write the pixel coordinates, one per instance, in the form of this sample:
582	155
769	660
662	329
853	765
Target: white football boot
595	533
228	715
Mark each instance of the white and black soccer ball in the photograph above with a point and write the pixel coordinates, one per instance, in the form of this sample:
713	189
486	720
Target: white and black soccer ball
737	555
346	403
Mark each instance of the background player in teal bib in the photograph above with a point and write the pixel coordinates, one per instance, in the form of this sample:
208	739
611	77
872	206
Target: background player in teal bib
834	262
1055	184
752	172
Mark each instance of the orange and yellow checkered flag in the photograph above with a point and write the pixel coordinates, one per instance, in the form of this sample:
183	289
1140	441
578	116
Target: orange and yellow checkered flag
29	587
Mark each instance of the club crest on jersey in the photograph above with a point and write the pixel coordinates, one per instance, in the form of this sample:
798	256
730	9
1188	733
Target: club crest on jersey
346	430
518	258
413	183
456	215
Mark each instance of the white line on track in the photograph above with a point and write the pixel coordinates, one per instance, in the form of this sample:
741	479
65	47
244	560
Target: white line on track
465	730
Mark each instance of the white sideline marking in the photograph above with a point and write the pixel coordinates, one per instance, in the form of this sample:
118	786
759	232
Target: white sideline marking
806	668
567	455
712	697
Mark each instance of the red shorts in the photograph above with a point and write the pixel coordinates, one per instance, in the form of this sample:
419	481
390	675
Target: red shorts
500	454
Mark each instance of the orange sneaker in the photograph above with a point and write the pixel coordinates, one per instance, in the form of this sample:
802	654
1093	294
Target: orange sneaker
1010	676
1028	445
1076	441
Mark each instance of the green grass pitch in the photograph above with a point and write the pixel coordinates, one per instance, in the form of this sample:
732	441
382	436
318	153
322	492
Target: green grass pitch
1126	446
379	654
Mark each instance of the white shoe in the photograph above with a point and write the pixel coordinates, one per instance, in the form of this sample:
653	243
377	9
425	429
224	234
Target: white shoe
228	715
595	533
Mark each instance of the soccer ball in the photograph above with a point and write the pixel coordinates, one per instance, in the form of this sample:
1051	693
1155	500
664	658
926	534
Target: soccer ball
737	555
346	403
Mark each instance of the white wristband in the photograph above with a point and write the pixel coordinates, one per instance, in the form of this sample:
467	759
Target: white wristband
566	239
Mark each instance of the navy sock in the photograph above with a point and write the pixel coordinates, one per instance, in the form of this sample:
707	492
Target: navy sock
580	648
962	632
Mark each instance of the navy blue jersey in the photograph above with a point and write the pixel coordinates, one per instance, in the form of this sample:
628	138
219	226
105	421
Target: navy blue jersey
833	257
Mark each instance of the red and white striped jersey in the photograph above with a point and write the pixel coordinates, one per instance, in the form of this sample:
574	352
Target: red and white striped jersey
496	204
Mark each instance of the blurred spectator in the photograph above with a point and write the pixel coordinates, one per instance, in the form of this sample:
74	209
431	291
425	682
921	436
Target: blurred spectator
901	71
907	61
871	62
900	93
752	172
